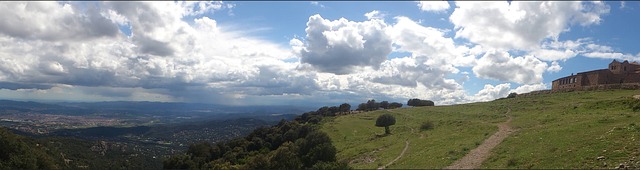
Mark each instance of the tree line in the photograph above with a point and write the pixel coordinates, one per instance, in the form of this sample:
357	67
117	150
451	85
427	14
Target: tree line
372	105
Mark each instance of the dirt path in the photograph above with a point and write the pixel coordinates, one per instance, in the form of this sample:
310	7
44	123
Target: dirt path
406	146
475	157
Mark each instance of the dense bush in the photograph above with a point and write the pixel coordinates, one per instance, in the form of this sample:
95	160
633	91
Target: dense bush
428	125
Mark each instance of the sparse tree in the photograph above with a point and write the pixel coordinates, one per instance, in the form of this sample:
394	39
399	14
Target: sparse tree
385	121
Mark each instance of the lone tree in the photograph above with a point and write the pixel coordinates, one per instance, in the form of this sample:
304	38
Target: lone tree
385	121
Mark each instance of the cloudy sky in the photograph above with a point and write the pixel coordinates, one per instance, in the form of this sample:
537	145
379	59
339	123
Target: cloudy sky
313	53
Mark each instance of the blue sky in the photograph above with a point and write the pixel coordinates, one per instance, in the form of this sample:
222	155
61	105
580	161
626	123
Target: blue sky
307	52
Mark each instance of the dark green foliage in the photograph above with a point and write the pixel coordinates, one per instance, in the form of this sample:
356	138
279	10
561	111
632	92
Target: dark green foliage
372	105
395	105
418	102
385	121
18	152
428	125
179	162
384	104
512	95
294	144
362	107
316	147
345	107
634	104
331	166
285	157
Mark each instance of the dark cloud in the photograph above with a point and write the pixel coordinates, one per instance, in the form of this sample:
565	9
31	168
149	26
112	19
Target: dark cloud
16	86
154	47
52	22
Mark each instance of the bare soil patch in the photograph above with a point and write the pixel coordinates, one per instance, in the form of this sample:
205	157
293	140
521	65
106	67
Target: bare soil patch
475	157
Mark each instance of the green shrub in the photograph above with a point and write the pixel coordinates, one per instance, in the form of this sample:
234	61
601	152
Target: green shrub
512	162
428	125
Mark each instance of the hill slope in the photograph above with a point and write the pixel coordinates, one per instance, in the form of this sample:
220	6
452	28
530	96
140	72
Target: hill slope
563	130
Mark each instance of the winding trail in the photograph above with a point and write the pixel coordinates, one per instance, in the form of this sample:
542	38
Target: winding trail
406	146
475	157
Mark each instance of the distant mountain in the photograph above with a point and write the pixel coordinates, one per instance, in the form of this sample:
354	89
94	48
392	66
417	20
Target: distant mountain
144	108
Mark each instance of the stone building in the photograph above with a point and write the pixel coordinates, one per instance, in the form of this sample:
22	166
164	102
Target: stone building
619	73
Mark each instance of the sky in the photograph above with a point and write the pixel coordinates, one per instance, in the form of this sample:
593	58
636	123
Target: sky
309	53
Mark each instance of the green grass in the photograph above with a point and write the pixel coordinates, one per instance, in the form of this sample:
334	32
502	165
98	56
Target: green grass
563	130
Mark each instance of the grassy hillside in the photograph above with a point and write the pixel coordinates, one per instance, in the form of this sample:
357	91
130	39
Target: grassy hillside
563	130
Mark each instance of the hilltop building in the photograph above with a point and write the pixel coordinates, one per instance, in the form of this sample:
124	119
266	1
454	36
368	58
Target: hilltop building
618	73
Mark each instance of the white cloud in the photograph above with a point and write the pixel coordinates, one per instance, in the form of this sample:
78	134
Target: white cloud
611	55
529	88
167	58
563	50
521	24
490	92
375	14
555	67
430	46
316	3
553	55
340	46
501	66
433	6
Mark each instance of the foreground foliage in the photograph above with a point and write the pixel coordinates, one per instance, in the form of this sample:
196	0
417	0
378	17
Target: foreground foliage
18	152
288	145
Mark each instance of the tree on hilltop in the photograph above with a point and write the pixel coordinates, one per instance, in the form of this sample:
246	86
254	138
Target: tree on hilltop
362	107
345	107
418	102
395	105
372	105
384	104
